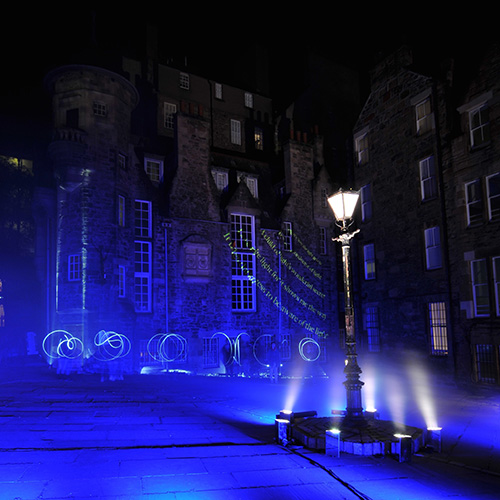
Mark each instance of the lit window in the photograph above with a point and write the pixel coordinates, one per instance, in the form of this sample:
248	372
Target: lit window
486	363
154	169
361	145
474	202
169	111
259	139
496	281
479	125
425	120
372	329
121	211
74	267
248	100
428	178
493	193
142	276
369	261
121	281
184	81
433	248
287	237
243	263
236	132
218	90
438	328
480	293
366	202
99	108
143	219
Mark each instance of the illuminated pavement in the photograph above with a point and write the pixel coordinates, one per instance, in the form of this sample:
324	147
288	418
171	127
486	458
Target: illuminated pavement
186	437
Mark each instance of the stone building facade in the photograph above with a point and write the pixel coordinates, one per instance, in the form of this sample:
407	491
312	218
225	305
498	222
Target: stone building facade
177	232
428	278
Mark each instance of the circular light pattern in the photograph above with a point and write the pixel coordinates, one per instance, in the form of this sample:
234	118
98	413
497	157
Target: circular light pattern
167	342
62	345
111	345
305	349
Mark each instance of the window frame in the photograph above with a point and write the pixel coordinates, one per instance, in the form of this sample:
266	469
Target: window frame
493	213
154	175
495	262
366	202
243	263
438	328
427	171
121	210
372	327
142	276
482	127
369	261
74	267
484	311
425	120
143	230
362	148
477	218
433	255
235	132
169	112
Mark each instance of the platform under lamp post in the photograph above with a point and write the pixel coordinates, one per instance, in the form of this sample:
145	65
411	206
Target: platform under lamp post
343	204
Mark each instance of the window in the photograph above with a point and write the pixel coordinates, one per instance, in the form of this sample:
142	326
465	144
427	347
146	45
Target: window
433	248
372	329
479	125
248	100
154	169
122	161
121	281
438	328
218	90
496	282
259	139
236	132
485	358
324	198
480	293
184	81
252	185
121	210
211	352
169	111
474	202
243	263
361	145
493	193
143	222
425	120
366	203
142	276
74	267
99	108
428	186
323	240
221	179
287	236
369	261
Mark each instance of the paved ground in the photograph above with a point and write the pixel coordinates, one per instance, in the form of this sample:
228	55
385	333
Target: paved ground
185	437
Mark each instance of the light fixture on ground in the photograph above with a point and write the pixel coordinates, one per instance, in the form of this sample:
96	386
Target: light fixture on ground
343	204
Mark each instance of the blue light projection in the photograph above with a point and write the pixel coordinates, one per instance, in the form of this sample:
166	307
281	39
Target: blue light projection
283	285
167	347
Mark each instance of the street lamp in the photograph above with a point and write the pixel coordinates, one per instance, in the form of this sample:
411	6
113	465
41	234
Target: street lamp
343	204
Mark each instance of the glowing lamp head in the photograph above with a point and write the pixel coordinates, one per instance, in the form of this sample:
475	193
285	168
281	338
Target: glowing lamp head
343	204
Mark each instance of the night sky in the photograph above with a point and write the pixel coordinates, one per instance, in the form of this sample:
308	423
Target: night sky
35	40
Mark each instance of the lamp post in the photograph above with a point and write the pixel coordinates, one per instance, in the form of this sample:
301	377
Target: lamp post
343	204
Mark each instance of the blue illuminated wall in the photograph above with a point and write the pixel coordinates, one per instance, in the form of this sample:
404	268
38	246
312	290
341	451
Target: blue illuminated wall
143	250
